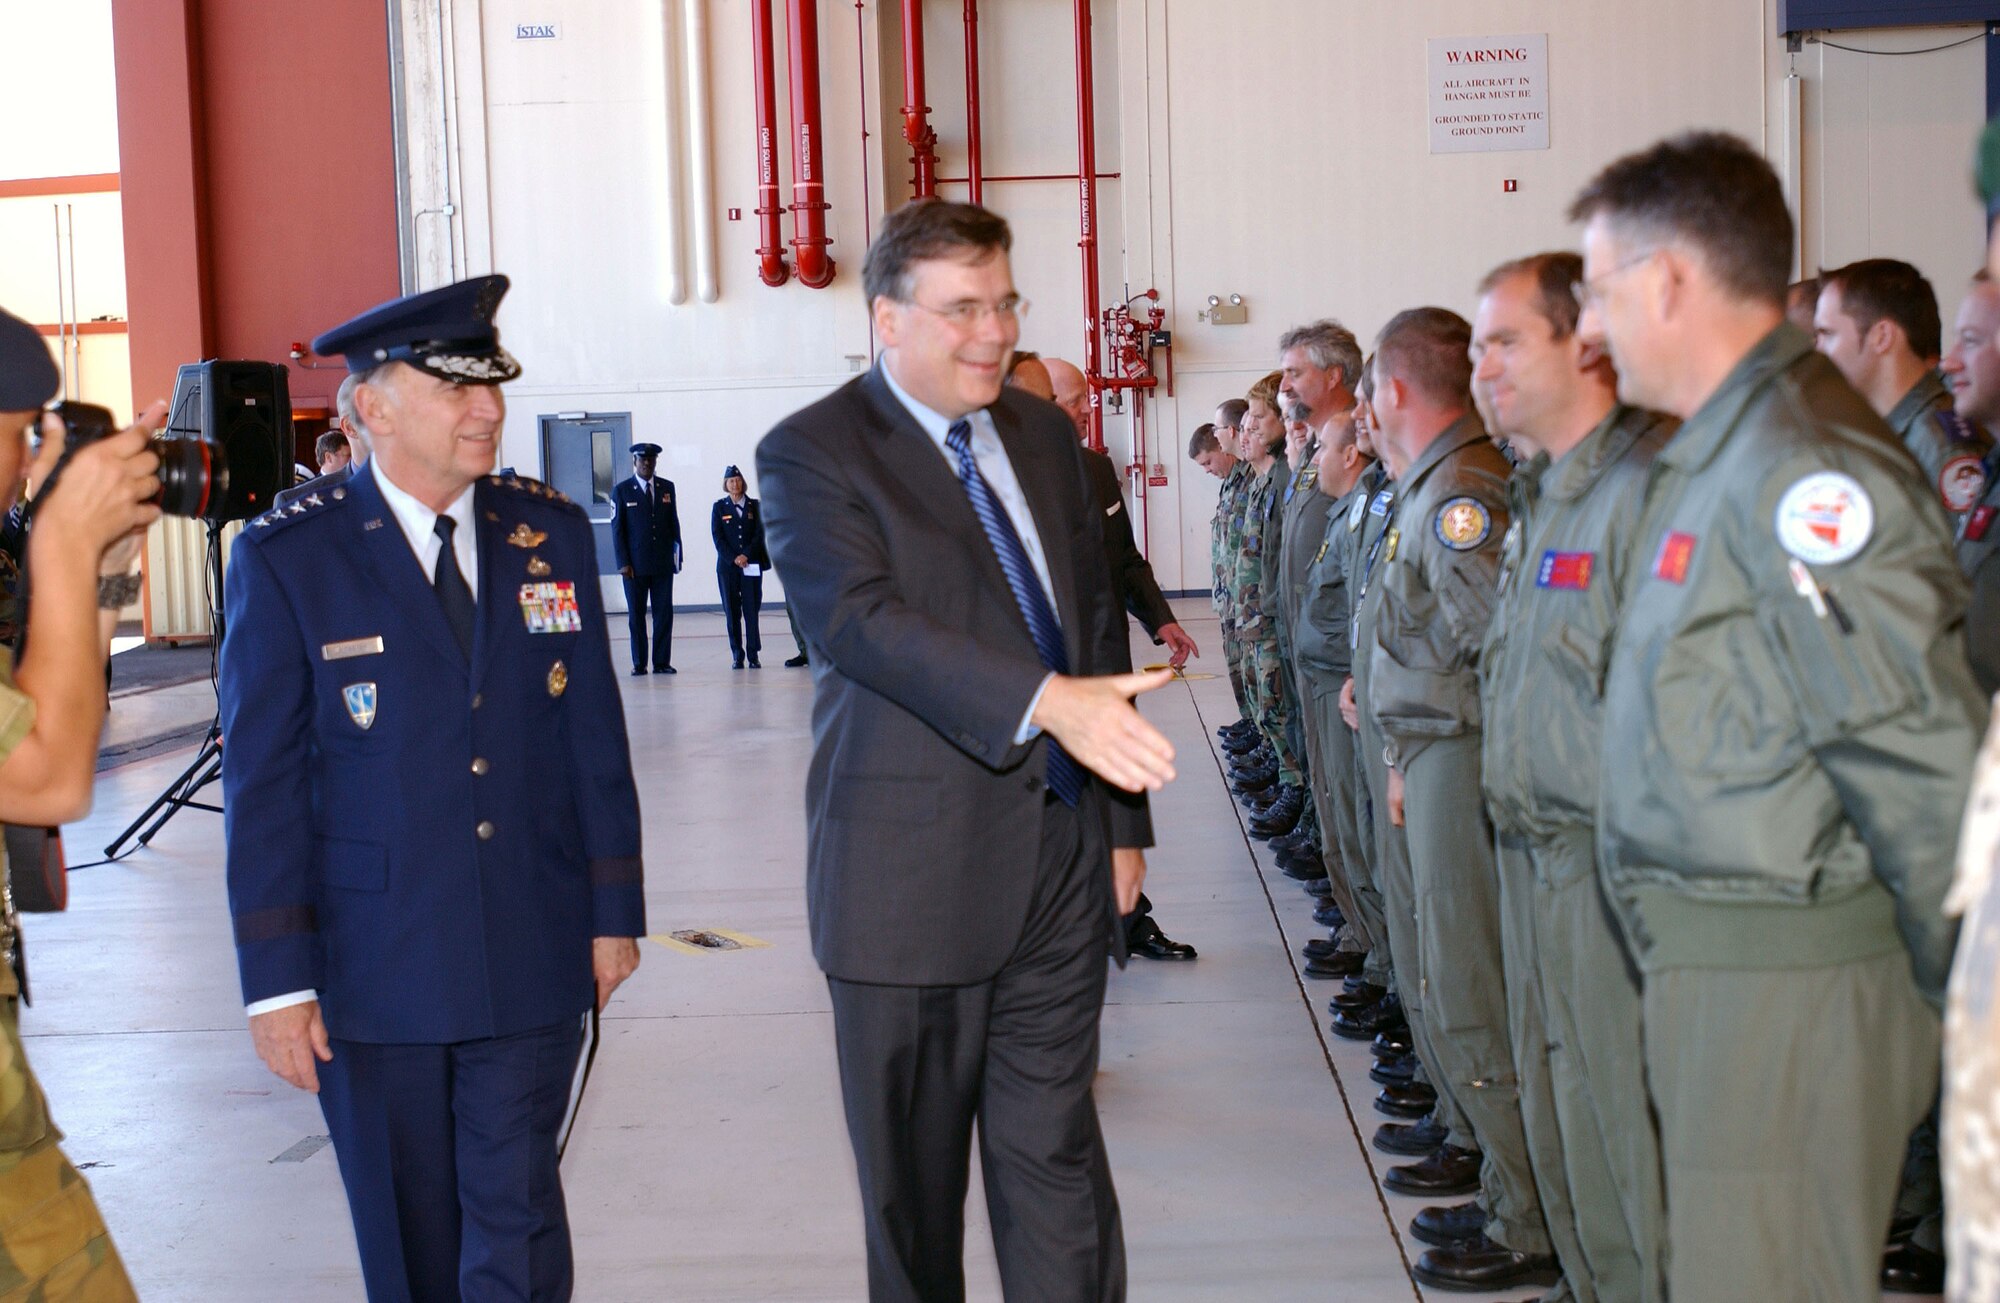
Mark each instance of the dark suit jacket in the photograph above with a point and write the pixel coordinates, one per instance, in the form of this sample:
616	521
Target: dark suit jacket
318	484
1132	579
923	817
645	527
353	803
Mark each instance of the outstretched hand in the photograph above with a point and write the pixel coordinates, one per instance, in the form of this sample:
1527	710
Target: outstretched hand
1094	720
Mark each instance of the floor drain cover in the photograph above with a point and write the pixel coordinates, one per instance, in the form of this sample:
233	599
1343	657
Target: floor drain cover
705	939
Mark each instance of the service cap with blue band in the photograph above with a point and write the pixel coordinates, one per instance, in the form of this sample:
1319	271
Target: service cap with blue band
28	375
645	450
448	332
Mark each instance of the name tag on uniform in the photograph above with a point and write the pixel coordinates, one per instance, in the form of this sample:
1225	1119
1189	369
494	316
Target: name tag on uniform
340	651
1979	522
1565	570
1676	553
551	608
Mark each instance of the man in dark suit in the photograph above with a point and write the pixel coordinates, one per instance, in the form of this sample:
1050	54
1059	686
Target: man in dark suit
646	540
433	833
943	547
353	446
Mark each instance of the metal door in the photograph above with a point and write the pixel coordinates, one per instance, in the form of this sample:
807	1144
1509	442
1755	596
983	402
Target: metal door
586	454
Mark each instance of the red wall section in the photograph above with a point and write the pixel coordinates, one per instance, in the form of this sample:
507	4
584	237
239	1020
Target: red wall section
258	157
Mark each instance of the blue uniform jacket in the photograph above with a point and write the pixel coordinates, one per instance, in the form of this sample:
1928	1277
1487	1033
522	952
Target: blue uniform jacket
430	845
738	537
645	532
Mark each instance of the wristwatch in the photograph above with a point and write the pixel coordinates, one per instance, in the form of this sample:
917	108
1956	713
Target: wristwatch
115	592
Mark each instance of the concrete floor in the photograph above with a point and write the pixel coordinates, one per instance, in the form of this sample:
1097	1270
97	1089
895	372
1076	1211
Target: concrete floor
710	1160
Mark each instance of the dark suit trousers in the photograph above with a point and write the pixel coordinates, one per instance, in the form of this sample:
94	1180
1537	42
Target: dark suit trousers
658	590
1017	1054
742	599
448	1153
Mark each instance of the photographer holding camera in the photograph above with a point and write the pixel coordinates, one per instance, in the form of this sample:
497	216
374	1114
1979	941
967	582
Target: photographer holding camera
81	552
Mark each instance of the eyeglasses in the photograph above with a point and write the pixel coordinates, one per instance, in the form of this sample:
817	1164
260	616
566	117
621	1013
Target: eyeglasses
1585	291
970	314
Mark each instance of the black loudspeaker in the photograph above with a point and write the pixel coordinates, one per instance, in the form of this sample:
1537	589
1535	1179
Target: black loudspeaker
244	410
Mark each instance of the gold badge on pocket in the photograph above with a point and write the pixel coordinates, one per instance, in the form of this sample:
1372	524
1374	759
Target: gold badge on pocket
558	679
525	537
538	567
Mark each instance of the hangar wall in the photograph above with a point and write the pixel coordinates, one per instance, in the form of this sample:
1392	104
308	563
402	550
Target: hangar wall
1275	149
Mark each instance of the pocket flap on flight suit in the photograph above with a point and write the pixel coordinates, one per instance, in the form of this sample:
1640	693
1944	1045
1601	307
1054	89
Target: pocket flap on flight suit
353	865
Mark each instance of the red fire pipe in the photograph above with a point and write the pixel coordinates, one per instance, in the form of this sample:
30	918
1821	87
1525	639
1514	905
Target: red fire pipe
809	239
771	265
1086	203
972	155
916	111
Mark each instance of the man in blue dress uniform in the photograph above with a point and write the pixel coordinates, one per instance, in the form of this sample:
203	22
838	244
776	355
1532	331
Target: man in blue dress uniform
433	833
646	538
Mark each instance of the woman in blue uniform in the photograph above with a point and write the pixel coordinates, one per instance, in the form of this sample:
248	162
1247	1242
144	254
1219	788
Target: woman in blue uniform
740	561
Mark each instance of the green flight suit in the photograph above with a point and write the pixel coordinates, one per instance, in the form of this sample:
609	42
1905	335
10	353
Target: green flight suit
1324	659
1789	733
1303	510
1950	449
1225	545
1572	997
1438	575
1360	530
53	1244
1256	615
1978	545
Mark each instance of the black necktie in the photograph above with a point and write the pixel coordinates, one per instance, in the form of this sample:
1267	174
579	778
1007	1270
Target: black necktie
453	592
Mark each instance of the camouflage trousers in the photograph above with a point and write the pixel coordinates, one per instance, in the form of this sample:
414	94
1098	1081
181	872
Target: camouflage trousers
1236	656
53	1245
1272	707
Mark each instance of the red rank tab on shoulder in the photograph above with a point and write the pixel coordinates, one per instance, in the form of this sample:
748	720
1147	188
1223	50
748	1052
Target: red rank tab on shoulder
1565	570
1676	551
1979	522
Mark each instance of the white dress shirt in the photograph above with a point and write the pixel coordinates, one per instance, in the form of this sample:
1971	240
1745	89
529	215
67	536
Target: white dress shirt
419	525
990	455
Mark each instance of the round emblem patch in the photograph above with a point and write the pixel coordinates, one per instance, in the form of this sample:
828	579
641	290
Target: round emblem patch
1355	512
1961	482
1825	518
1462	524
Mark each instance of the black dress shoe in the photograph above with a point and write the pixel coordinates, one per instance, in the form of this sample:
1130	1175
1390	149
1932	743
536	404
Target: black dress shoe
1394	1072
1448	1171
1318	888
1481	1266
638	670
1414	1100
1320	948
1449	1226
794	662
754	665
665	669
1359	996
1362	1024
739	663
1410	1139
1152	943
1911	1269
1388	1044
1327	914
1343	963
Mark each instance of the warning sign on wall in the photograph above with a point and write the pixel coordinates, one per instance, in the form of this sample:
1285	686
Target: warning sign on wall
1489	93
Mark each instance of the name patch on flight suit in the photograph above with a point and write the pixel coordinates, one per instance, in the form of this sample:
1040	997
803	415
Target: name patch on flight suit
1979	522
1676	552
1565	570
551	608
1379	504
1355	514
1825	518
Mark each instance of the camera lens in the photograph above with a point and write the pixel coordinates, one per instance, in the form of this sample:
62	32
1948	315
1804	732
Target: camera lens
193	477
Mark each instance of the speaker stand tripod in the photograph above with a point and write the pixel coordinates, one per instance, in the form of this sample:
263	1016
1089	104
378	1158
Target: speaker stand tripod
180	794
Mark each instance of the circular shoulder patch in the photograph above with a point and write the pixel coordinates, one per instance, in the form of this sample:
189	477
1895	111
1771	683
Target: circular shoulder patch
1825	518
1462	524
1961	482
1355	513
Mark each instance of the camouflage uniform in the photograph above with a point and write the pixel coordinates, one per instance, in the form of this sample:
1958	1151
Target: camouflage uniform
1256	617
1225	543
53	1244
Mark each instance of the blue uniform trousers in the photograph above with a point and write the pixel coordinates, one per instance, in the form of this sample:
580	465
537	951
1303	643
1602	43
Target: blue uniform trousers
742	598
658	590
448	1153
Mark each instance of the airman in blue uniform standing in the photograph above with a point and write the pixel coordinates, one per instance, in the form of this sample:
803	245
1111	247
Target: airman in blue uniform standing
433	833
646	540
737	524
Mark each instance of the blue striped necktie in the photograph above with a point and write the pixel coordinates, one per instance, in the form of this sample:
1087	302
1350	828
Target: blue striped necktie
1065	775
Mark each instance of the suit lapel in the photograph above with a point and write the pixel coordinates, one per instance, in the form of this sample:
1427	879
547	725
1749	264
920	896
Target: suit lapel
496	590
1045	490
386	551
